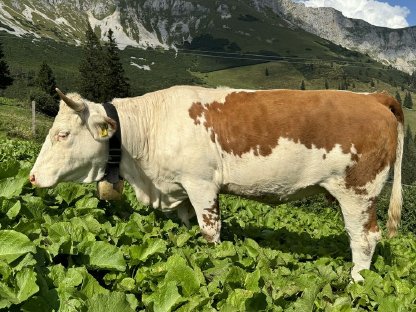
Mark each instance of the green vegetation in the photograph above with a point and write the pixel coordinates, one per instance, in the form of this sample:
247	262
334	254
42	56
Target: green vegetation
15	121
92	68
25	57
408	102
44	95
302	85
45	80
101	71
116	84
63	249
5	78
409	159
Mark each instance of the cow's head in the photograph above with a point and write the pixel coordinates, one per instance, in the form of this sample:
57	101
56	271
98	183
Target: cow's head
76	148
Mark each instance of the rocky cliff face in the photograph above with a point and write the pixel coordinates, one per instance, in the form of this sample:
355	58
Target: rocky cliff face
395	47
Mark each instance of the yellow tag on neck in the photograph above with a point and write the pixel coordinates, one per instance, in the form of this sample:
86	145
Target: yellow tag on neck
104	132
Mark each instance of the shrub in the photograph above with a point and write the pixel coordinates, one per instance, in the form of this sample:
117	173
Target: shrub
44	102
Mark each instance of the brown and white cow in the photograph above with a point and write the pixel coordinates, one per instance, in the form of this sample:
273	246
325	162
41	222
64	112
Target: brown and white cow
189	142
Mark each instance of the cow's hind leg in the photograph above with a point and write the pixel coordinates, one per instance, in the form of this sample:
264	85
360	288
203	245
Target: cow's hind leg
204	199
361	225
359	214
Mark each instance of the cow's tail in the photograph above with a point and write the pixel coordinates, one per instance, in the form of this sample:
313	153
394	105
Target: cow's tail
395	207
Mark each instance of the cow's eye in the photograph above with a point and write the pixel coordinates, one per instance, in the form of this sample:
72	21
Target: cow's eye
62	135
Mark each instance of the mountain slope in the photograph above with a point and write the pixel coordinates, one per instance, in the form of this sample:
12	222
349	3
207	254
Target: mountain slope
395	47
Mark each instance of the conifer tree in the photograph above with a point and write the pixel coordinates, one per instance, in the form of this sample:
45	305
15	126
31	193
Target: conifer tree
398	97
115	84
302	85
412	79
406	99
409	158
46	81
266	72
326	84
408	102
5	77
45	95
92	68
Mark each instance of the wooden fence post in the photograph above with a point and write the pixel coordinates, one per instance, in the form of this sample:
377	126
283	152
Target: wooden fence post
33	118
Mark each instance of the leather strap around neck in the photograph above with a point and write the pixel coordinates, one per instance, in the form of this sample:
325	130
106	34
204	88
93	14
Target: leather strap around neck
112	172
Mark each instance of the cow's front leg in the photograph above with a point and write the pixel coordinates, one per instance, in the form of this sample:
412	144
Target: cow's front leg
204	199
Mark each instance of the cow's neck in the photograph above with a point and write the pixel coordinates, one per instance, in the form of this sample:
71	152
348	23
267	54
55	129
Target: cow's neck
137	126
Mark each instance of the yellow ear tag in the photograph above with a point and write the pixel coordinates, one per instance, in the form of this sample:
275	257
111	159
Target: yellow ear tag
104	132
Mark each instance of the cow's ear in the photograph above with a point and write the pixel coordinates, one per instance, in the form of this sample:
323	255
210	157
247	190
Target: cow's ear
102	129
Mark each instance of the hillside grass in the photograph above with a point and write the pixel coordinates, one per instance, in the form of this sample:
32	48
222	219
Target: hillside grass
410	119
16	121
282	74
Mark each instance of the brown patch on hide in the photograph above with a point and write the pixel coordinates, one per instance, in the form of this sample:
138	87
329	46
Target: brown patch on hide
255	121
371	224
195	112
212	215
207	219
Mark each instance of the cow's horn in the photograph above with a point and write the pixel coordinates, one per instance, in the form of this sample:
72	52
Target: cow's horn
78	107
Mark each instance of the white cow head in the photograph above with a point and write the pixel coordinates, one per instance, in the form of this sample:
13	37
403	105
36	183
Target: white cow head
76	148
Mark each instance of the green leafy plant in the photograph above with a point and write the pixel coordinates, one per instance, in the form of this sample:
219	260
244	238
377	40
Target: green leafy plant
62	249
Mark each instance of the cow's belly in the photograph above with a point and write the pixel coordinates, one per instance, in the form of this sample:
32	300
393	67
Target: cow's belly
291	171
277	197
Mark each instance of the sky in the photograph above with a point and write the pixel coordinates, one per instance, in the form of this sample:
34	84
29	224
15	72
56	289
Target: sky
386	13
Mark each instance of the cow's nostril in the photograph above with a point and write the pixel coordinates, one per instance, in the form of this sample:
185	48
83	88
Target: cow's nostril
32	178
